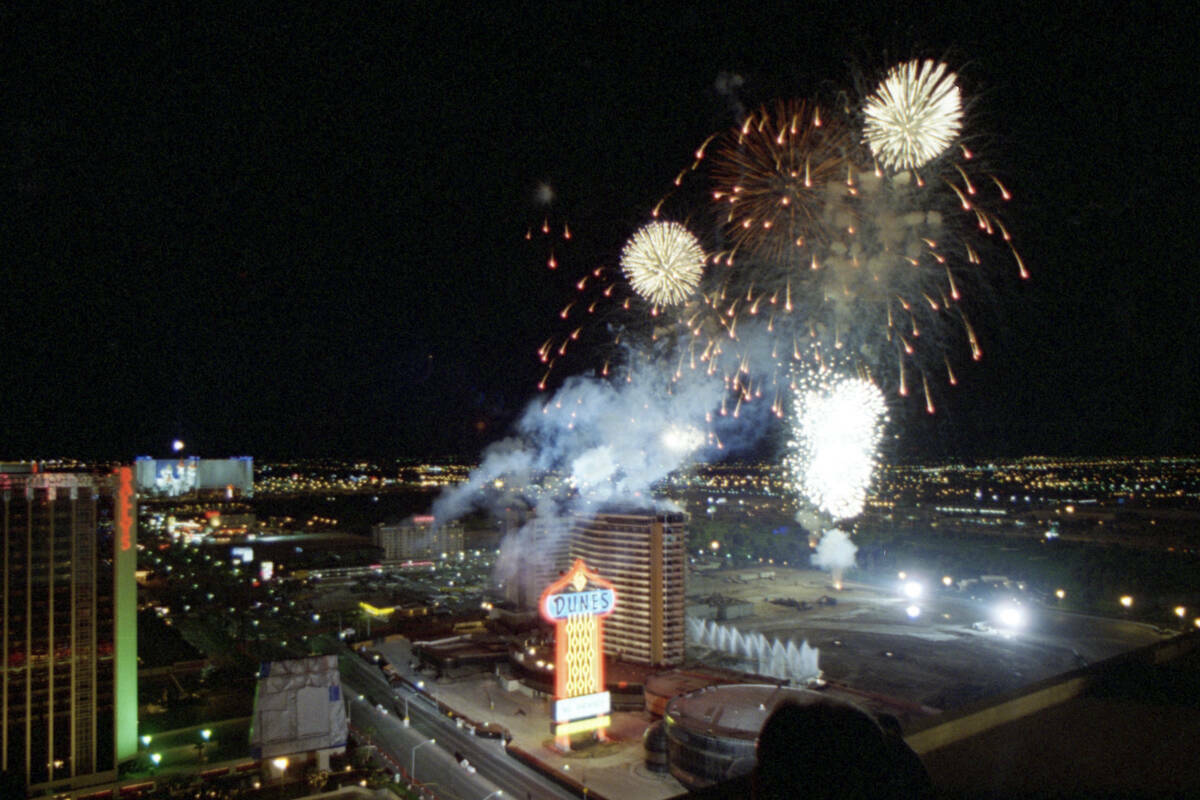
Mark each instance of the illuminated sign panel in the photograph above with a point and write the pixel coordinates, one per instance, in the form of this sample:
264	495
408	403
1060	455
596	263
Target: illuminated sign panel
561	606
585	705
575	604
123	513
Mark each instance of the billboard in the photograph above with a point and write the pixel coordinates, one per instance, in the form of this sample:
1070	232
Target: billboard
187	475
298	708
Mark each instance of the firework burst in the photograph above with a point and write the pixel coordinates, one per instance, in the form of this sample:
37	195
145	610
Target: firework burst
769	176
663	262
823	246
837	424
825	239
914	115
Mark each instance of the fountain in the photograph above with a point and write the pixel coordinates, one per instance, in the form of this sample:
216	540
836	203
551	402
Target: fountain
772	658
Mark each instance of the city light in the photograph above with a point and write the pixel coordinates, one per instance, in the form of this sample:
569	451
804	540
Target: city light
913	590
1011	616
947	581
280	763
1180	611
913	611
1126	601
206	734
156	758
1060	593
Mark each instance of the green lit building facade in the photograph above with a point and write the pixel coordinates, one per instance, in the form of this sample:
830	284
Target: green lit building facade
68	687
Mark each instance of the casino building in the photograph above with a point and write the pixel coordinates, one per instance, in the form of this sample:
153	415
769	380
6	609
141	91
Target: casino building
643	555
711	733
68	686
417	537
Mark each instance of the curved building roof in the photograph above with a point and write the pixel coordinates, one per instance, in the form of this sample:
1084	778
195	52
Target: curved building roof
737	710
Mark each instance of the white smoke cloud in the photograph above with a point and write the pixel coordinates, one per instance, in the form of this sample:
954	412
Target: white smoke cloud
727	85
595	443
835	551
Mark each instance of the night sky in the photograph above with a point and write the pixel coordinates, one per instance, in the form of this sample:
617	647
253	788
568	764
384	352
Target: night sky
302	234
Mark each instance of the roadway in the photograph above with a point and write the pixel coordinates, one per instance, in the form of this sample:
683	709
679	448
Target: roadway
497	774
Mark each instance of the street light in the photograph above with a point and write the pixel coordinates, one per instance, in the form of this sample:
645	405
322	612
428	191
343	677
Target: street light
1126	601
406	711
412	771
205	735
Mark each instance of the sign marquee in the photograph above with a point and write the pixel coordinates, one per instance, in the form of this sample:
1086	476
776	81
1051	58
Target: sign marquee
575	604
561	606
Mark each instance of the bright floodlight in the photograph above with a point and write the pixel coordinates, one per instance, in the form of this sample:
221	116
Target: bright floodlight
1011	616
913	611
913	590
663	262
914	115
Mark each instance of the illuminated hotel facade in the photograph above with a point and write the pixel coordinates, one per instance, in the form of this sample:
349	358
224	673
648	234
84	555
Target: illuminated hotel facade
419	537
643	555
68	687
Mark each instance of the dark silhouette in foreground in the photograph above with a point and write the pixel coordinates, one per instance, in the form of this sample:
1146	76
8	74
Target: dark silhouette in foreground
828	749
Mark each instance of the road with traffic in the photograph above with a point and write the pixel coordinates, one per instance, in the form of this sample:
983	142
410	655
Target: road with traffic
378	706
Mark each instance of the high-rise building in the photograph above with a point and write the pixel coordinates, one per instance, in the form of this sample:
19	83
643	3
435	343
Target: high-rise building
643	555
68	686
417	537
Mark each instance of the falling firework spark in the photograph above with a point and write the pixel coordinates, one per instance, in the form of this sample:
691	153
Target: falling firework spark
914	115
664	262
837	426
769	176
823	245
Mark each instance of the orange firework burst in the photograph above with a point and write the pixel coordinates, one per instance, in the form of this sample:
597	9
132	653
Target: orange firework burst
770	172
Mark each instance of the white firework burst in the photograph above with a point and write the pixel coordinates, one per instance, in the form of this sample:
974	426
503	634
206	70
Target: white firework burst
682	438
663	262
836	430
914	115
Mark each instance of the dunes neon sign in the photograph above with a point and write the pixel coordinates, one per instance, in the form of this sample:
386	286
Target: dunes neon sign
575	604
